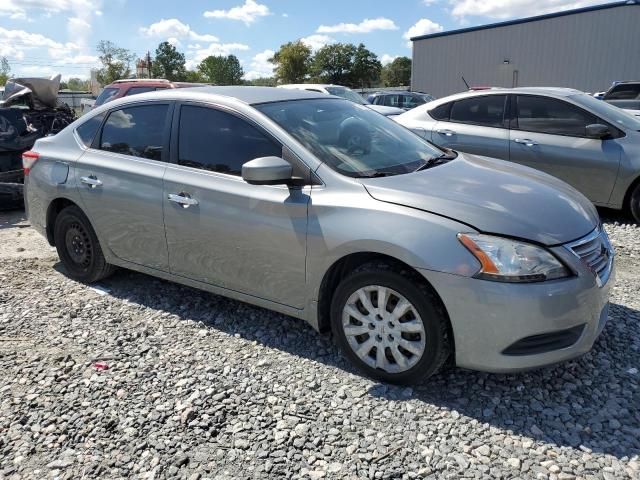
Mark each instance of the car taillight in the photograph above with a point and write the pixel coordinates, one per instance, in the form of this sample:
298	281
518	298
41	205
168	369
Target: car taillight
29	158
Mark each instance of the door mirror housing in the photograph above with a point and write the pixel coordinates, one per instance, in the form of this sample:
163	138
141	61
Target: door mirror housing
267	171
597	130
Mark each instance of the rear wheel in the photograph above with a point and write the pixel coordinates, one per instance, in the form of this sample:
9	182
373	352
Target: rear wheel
78	247
634	204
391	327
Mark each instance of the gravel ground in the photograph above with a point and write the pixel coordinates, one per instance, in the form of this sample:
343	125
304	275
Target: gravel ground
141	378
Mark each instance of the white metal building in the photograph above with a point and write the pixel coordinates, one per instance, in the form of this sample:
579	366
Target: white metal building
588	49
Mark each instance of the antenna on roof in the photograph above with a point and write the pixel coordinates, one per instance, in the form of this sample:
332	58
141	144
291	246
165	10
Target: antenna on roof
465	82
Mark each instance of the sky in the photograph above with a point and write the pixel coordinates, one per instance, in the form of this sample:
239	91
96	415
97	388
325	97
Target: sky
47	37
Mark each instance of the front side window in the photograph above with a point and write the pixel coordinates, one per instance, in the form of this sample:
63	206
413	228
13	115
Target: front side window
624	91
392	101
552	116
410	101
87	131
136	131
352	139
487	111
106	95
218	141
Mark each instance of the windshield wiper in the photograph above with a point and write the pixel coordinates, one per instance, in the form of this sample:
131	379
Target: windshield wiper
440	159
379	174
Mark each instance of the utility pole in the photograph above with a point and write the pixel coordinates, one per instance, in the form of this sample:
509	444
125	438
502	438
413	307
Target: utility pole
148	64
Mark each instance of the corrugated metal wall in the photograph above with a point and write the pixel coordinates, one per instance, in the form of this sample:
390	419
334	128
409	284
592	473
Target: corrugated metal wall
587	51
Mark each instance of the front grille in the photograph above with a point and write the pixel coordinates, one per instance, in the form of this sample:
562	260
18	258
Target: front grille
596	252
546	342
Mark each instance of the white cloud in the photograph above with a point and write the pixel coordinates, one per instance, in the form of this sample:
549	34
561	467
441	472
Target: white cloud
387	59
285	15
199	54
315	42
175	29
503	9
248	13
19	9
365	26
260	66
424	26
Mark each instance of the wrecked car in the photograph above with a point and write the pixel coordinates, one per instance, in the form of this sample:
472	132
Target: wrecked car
29	110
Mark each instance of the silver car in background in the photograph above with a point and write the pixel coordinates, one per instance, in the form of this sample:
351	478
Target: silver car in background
591	145
320	208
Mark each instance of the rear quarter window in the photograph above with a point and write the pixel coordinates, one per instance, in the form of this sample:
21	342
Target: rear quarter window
87	131
441	112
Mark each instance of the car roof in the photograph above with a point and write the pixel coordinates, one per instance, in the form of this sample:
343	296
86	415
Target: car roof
244	94
310	85
547	91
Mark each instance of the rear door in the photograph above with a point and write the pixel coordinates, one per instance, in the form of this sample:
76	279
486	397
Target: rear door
549	134
120	182
247	238
475	125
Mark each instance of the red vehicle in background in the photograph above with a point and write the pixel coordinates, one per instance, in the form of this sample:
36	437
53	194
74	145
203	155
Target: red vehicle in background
132	86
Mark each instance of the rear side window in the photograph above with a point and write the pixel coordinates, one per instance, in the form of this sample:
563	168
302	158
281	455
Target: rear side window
487	111
87	131
106	95
136	131
136	90
410	101
552	116
441	112
217	141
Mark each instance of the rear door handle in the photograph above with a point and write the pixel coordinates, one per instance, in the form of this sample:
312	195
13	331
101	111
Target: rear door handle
91	181
446	132
183	199
526	141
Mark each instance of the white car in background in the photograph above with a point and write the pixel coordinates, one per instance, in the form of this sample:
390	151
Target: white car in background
343	92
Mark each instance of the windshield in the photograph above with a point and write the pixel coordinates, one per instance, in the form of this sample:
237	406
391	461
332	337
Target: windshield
105	96
347	93
352	139
613	114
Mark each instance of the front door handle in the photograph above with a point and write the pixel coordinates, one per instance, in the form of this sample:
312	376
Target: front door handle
183	199
91	181
446	132
526	141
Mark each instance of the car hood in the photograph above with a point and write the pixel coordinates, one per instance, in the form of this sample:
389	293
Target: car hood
386	110
493	196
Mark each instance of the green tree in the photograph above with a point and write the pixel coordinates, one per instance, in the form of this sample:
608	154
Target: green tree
221	70
116	62
262	82
169	63
78	85
397	73
366	68
292	62
193	76
333	63
5	70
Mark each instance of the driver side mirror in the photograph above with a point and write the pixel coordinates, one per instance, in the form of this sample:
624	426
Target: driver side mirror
267	171
598	131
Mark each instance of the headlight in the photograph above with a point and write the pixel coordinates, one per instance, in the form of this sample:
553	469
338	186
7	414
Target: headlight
505	260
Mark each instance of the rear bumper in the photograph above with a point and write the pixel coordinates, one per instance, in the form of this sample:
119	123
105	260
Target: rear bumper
490	317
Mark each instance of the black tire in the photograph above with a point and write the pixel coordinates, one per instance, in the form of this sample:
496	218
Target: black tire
634	204
78	247
431	312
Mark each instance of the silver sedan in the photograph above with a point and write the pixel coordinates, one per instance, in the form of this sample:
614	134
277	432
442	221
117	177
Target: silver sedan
322	209
591	145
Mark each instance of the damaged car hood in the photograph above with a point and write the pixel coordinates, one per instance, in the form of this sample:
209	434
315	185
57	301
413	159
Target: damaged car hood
495	197
40	93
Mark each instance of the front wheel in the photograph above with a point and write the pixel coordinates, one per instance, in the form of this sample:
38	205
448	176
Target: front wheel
392	328
78	247
634	204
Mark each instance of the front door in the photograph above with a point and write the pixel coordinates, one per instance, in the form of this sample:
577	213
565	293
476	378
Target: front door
223	231
475	125
549	134
120	182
